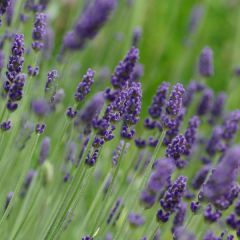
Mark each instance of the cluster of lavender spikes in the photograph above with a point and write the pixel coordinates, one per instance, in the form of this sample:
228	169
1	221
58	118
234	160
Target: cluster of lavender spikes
115	174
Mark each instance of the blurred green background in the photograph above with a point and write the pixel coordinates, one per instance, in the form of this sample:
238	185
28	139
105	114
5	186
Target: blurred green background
170	43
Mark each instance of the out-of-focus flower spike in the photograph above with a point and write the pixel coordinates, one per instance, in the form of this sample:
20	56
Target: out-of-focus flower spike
88	25
39	31
205	104
44	151
84	87
205	65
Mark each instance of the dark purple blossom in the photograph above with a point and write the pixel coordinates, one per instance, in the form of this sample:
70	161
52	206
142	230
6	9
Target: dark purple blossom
173	196
124	69
231	125
191	132
71	112
195	207
40	127
205	65
159	101
84	87
5	126
16	60
92	158
176	149
39	31
174	104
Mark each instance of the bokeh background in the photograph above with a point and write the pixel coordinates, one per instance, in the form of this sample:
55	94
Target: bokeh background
173	34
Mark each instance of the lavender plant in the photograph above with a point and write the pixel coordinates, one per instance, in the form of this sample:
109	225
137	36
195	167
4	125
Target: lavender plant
84	157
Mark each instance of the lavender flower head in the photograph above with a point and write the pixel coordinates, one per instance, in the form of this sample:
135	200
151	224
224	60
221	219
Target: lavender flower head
205	65
159	101
124	69
84	87
176	148
175	100
89	24
219	186
16	60
172	198
39	31
161	174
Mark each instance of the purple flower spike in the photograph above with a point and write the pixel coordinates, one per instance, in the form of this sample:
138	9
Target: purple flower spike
84	87
175	100
159	101
173	196
218	106
205	104
16	60
89	24
205	65
221	188
135	220
231	125
45	148
39	31
124	69
176	148
191	132
5	126
159	178
10	12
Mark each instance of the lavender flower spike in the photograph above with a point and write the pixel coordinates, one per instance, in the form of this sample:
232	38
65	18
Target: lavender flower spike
159	101
125	68
39	31
205	65
84	87
175	100
16	60
89	24
220	183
